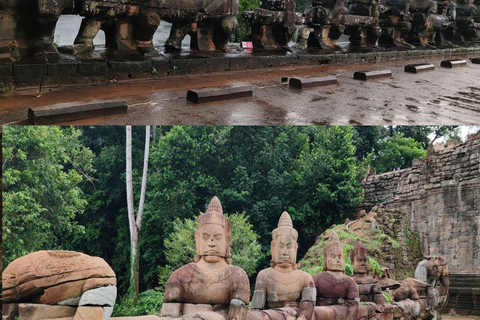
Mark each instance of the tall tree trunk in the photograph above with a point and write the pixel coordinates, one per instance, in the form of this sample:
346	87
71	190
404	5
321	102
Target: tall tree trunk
135	223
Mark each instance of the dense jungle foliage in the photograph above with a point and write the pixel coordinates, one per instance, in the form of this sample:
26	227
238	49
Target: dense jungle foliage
64	187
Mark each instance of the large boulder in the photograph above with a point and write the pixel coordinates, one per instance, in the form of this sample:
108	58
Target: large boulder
46	284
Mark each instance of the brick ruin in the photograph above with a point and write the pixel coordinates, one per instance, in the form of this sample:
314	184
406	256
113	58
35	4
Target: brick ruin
439	197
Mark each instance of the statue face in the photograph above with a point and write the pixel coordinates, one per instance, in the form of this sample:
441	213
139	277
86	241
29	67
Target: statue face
335	260
213	243
284	251
360	264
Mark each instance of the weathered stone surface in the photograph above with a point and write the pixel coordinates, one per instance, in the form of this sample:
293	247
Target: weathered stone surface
28	277
89	313
161	65
453	63
303	83
9	310
218	94
103	296
211	279
29	72
372	75
69	111
29	311
137	318
417	68
282	285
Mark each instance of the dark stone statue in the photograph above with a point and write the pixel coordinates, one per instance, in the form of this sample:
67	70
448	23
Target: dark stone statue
325	23
273	24
465	23
362	22
395	23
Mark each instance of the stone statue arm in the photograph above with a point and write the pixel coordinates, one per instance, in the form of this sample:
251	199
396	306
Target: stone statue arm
378	297
309	294
260	293
172	306
239	296
352	300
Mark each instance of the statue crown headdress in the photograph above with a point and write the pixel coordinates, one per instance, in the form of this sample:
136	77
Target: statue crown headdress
285	227
333	242
359	250
214	215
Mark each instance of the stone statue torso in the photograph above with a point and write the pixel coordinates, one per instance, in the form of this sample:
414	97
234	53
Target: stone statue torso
367	287
330	289
191	284
283	289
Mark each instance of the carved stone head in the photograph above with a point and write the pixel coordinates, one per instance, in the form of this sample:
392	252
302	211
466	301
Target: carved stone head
213	237
284	243
359	256
333	254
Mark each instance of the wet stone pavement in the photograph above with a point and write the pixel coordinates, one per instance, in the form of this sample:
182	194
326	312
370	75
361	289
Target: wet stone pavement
441	96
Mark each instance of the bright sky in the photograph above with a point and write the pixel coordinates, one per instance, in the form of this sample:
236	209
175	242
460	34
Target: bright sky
464	132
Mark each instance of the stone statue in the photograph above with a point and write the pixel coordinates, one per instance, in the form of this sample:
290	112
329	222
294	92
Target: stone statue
369	289
337	293
273	24
465	23
59	281
395	23
325	23
422	12
434	271
362	22
281	288
209	288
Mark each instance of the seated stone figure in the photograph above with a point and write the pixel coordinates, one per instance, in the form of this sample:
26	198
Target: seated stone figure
337	293
209	288
370	291
281	288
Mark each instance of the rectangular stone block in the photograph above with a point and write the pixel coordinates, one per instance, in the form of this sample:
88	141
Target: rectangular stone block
90	313
70	111
372	75
161	65
62	69
6	70
189	65
243	62
28	311
476	60
130	67
302	83
453	63
29	72
218	94
93	68
417	68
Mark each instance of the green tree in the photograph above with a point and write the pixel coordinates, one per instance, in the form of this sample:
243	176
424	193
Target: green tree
42	171
326	179
180	246
397	152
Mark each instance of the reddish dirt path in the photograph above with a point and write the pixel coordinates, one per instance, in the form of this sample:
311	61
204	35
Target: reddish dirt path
442	96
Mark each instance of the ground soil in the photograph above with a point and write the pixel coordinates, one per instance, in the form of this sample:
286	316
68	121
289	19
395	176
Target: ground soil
443	96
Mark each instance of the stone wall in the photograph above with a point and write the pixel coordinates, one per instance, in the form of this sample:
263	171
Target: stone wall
440	199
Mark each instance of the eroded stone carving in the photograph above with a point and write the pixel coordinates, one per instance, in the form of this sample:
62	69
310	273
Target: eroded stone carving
273	24
369	289
281	288
209	288
337	293
62	279
325	23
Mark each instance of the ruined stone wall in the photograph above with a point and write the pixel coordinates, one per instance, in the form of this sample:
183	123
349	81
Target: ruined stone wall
440	199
